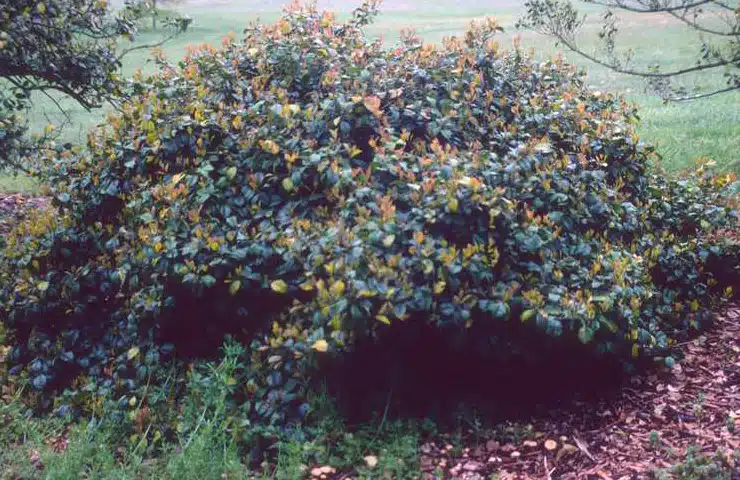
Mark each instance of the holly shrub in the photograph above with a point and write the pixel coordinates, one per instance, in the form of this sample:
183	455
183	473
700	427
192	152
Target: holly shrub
306	189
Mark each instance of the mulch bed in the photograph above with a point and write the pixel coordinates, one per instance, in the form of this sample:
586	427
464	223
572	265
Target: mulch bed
648	426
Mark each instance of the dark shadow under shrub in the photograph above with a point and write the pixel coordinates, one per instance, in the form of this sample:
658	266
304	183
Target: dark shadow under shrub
416	371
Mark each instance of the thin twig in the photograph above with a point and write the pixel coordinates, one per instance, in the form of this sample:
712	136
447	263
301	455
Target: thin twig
149	45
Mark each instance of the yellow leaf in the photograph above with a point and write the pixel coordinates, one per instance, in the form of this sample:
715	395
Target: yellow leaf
321	345
176	178
133	352
306	286
337	288
43	286
388	241
270	147
354	152
694	305
527	314
439	287
365	294
635	350
235	286
453	205
287	184
279	286
231	381
382	319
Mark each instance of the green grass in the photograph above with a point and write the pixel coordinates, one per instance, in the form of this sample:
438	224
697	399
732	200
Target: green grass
681	132
35	447
10	183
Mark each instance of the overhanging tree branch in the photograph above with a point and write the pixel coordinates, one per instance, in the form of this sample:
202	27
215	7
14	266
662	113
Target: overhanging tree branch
701	28
67	46
720	49
647	74
658	9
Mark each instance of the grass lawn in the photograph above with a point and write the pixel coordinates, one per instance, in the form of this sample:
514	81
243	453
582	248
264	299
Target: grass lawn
682	132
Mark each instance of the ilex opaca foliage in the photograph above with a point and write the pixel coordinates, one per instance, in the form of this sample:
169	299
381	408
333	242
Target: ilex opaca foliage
307	188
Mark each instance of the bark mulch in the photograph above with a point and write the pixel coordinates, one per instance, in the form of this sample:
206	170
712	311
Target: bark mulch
650	425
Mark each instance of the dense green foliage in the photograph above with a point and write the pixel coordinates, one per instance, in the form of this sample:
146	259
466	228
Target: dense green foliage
306	189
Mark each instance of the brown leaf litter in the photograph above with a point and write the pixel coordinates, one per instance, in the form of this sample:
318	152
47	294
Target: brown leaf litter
648	426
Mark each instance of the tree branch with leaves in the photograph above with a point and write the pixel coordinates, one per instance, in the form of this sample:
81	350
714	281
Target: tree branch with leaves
716	23
66	46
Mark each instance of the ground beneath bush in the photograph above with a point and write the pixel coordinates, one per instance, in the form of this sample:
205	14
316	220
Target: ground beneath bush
649	426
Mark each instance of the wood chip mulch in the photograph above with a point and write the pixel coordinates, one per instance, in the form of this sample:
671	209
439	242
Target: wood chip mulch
648	426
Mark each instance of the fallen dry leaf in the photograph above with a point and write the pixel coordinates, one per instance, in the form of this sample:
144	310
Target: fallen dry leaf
321	471
371	461
567	449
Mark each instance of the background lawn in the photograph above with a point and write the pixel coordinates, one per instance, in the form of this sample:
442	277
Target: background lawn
682	132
